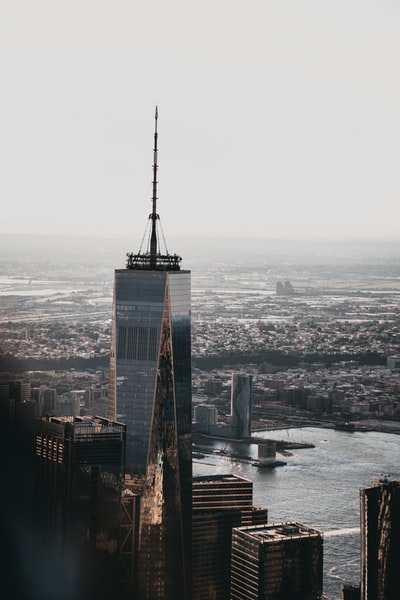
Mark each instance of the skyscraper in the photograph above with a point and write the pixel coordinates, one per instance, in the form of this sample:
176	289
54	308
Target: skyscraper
13	394
79	467
150	391
380	540
276	562
241	398
220	502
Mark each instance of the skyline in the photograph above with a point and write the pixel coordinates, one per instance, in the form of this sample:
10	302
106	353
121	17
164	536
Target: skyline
275	120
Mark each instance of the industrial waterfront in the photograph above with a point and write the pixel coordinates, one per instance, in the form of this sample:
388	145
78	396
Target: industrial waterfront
320	487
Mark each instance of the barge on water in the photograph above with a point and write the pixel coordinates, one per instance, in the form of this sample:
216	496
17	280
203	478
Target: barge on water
345	426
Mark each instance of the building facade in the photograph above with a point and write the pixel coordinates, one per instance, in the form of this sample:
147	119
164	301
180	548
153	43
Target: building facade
220	503
79	479
205	417
380	540
241	405
276	562
143	301
13	394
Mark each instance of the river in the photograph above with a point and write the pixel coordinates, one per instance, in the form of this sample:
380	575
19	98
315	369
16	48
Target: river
319	487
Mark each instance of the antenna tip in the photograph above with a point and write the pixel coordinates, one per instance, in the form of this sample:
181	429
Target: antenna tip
156	115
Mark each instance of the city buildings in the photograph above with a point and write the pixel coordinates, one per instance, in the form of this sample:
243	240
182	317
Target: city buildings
276	562
150	391
220	503
78	482
158	446
205	417
46	399
13	394
380	540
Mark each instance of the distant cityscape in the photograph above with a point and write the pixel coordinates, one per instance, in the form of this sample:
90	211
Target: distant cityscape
329	352
108	395
323	354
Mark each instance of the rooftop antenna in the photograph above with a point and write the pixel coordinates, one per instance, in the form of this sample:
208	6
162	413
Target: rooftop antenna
154	216
153	259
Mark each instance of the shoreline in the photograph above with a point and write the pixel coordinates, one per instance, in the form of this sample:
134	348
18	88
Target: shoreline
363	426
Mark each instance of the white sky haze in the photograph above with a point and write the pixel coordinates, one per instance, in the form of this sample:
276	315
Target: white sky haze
277	118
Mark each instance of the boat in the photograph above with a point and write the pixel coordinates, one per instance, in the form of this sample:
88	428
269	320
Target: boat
345	426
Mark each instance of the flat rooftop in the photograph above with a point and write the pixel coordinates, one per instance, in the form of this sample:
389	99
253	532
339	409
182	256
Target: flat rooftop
279	531
225	478
88	421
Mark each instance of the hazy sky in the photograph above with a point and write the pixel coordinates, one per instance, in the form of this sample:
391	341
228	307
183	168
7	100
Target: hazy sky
276	117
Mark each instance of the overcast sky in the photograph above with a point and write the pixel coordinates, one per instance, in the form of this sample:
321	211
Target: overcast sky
277	118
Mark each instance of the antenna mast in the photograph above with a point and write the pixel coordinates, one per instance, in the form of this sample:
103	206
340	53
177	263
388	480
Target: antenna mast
153	259
154	216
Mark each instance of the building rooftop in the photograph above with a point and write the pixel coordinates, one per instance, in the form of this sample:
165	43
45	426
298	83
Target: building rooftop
88	421
279	531
226	477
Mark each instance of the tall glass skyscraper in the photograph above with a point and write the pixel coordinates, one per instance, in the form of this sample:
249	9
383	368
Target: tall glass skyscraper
150	391
241	400
140	302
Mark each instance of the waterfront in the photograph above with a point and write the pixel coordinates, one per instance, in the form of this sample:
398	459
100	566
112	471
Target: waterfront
57	307
319	487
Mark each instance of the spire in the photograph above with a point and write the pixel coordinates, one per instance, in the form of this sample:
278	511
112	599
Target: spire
153	259
154	216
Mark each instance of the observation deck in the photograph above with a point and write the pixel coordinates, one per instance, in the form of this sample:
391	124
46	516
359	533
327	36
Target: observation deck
150	262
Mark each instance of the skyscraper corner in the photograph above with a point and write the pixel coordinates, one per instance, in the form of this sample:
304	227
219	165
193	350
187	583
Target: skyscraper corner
380	539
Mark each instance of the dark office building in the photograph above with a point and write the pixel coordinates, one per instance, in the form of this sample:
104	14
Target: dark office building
79	481
212	538
380	540
17	417
150	391
220	503
14	393
276	562
224	492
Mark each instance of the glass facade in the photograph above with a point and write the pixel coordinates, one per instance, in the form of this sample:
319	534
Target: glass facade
241	401
150	391
139	298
